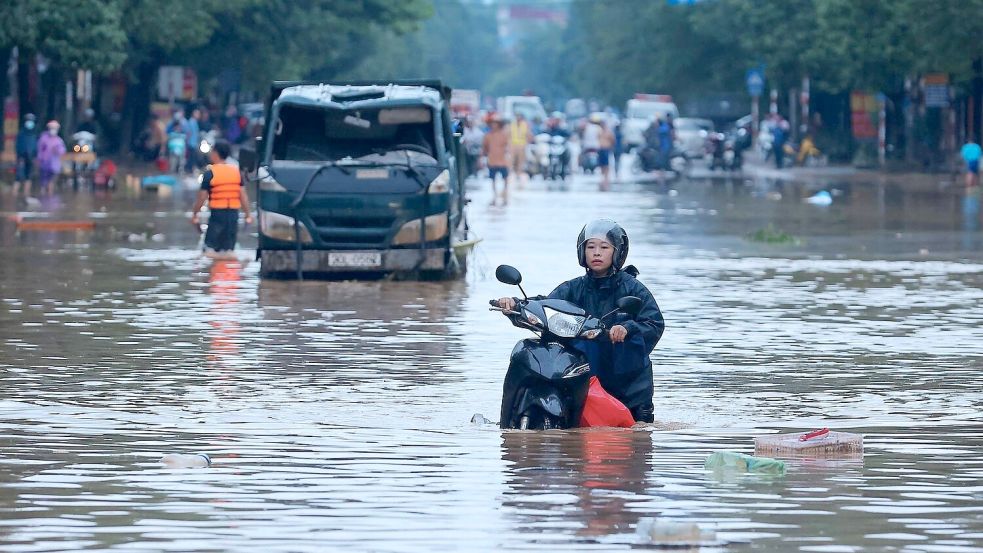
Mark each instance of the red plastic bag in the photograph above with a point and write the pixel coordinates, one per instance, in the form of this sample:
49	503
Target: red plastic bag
603	409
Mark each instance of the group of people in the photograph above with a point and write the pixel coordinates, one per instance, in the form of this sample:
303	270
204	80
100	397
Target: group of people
175	143
502	146
42	151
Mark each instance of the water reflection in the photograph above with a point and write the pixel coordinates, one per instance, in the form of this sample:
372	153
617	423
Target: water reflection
587	479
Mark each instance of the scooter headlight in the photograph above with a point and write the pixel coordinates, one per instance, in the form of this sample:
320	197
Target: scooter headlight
204	147
563	325
591	334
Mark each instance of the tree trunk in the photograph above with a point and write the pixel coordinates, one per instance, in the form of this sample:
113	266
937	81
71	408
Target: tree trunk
136	107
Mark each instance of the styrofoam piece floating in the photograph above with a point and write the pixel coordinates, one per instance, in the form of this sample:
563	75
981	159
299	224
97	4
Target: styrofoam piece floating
817	443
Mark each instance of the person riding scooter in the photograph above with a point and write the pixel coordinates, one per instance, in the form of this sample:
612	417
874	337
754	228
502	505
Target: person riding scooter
621	363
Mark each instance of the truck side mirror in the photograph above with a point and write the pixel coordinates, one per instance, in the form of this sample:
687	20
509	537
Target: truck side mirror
248	160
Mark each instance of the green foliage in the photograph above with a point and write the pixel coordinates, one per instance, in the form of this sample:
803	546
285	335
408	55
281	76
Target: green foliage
632	45
72	33
265	38
457	44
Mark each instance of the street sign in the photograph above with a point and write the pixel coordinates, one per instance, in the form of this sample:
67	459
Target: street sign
755	82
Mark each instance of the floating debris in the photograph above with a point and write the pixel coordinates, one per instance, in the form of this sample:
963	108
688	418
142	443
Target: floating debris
772	235
186	461
820	198
818	443
739	462
669	533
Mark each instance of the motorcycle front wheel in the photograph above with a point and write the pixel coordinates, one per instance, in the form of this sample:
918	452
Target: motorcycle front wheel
539	421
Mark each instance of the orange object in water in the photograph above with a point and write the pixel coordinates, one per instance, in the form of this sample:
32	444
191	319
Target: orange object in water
43	224
603	409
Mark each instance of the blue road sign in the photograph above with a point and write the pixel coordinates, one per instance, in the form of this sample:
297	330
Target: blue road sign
755	82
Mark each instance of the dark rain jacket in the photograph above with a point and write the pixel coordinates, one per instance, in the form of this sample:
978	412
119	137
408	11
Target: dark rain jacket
625	369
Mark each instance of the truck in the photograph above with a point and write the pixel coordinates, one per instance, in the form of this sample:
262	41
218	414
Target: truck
640	112
360	179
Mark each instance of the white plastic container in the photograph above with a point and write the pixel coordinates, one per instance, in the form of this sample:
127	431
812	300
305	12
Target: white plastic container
186	461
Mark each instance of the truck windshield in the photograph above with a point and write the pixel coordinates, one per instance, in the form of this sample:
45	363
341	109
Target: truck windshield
304	133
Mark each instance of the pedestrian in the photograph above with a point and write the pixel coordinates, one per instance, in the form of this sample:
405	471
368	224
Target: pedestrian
665	141
26	148
521	136
622	362
618	145
779	134
496	148
230	125
971	153
193	131
606	142
591	141
221	187
177	146
51	148
472	139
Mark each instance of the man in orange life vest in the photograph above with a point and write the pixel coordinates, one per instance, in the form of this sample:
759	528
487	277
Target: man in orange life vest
221	186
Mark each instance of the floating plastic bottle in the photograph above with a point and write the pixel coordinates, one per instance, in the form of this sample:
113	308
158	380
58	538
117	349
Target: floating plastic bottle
739	462
186	461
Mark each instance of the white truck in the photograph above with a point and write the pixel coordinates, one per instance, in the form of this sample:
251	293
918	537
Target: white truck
640	112
531	107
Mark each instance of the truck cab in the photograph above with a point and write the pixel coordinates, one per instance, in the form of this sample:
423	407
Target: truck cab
359	179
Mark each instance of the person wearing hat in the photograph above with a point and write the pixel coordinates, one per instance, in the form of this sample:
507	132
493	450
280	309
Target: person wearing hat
621	360
51	148
26	147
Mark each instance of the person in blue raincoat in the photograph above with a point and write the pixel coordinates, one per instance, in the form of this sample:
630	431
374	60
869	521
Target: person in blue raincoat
622	362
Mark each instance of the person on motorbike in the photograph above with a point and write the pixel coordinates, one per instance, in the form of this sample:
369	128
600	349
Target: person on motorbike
554	126
622	362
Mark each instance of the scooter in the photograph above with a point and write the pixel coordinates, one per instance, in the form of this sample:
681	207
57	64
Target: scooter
589	160
649	159
83	158
559	157
538	156
547	380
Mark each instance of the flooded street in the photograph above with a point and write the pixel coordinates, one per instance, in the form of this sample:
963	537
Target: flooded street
337	414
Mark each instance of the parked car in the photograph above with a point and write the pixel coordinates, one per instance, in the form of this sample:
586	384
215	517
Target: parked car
691	135
360	178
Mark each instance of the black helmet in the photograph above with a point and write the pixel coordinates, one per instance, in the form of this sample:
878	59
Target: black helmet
610	232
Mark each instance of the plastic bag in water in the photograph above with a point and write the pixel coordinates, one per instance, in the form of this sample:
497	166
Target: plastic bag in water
739	462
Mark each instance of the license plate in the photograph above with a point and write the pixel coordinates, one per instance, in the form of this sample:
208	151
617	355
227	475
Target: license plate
372	173
355	259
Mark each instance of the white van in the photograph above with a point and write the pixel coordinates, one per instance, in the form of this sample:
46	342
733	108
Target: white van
640	112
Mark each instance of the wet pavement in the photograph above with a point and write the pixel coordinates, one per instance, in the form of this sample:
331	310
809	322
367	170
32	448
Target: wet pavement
337	414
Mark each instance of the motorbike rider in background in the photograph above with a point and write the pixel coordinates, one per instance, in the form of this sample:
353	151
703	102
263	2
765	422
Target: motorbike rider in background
621	363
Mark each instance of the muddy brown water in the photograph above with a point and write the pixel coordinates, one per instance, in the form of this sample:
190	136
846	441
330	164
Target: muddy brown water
337	414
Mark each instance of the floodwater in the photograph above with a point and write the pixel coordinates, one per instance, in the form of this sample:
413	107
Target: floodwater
337	414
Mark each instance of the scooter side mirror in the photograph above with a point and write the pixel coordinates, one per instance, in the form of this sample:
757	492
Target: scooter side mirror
508	274
630	305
